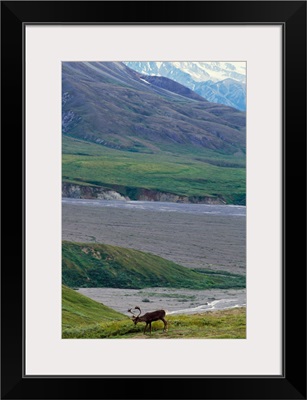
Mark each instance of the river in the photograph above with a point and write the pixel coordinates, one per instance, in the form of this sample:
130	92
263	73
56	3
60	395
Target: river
193	235
159	206
174	301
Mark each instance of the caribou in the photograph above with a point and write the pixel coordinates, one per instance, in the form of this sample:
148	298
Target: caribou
149	318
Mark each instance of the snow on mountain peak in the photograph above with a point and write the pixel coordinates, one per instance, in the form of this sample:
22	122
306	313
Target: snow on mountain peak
200	77
214	71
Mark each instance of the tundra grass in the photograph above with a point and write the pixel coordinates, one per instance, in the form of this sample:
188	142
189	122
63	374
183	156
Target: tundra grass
100	265
187	172
223	324
79	310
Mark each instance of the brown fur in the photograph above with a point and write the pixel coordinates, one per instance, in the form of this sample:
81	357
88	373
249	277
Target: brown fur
149	317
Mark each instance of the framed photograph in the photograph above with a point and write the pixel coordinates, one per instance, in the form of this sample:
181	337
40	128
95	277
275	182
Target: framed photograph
163	149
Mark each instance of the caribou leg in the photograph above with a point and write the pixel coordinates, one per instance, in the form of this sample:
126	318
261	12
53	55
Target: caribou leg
165	325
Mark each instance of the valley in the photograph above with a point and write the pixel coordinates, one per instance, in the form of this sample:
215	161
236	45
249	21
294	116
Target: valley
153	200
126	134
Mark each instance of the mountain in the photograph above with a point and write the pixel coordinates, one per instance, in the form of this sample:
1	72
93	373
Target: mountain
140	135
197	71
198	76
112	105
229	92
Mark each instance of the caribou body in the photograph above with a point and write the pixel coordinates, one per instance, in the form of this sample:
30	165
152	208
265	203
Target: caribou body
149	317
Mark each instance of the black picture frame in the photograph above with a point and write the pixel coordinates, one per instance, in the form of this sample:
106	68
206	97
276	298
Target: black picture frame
292	16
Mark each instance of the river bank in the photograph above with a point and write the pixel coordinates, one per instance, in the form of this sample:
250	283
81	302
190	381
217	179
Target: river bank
173	301
193	235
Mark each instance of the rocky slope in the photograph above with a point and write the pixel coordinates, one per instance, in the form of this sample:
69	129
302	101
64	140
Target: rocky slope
76	191
110	104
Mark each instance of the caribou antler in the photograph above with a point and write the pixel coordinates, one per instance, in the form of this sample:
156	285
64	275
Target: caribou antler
149	317
130	310
138	308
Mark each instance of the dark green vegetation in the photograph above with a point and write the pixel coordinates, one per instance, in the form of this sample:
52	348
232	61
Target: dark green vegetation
122	133
86	319
100	265
203	174
79	310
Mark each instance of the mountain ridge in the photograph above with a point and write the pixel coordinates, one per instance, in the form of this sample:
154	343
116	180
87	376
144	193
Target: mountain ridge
204	78
110	104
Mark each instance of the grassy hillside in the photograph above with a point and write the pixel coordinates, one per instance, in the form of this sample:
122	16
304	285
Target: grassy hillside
224	324
187	172
99	265
79	310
